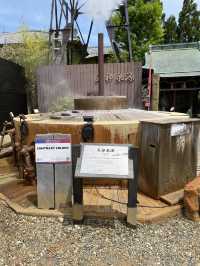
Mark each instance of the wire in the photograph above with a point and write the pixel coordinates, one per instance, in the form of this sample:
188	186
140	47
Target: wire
104	197
125	203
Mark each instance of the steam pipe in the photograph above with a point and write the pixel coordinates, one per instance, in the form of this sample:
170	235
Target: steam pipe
101	63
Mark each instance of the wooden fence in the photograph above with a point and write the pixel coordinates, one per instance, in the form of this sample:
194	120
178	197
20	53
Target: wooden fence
58	81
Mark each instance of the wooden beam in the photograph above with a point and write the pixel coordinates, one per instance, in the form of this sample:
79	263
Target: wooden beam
155	92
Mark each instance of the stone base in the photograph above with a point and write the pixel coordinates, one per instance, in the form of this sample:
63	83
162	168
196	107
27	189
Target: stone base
131	216
77	213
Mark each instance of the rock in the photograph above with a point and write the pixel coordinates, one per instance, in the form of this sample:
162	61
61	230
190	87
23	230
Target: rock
61	219
191	199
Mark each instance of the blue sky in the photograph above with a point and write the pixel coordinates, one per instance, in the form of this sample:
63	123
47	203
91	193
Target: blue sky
36	14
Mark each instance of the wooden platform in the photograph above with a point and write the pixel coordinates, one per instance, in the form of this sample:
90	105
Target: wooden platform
98	203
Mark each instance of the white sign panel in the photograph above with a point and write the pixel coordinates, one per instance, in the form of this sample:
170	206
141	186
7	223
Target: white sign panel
105	160
180	129
53	150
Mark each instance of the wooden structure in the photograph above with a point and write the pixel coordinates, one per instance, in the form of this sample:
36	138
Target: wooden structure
176	77
112	126
57	81
99	203
168	155
101	103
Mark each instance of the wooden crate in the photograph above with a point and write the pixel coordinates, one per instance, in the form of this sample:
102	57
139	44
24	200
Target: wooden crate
168	159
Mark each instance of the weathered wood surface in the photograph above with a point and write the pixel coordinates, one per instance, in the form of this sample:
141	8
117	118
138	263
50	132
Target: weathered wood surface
115	126
173	198
58	81
23	200
7	166
155	92
6	152
101	103
168	162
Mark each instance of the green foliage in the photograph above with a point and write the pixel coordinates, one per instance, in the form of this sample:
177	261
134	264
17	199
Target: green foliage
32	53
64	103
188	27
189	22
145	25
170	30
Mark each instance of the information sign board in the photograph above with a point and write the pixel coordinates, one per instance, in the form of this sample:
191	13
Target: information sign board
53	150
105	160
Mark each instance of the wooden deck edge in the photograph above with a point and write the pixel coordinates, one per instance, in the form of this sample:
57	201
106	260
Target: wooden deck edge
30	211
170	212
89	212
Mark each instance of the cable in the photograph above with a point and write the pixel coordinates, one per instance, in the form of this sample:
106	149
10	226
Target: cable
125	203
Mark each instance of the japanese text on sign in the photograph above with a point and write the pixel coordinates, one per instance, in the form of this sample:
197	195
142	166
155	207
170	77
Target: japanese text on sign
118	77
105	160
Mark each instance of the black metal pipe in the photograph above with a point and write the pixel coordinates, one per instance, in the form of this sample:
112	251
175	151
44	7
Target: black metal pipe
101	63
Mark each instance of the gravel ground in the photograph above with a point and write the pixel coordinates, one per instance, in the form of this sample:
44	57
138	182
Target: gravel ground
46	241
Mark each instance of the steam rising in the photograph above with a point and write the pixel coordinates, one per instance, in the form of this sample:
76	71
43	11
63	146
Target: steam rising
101	9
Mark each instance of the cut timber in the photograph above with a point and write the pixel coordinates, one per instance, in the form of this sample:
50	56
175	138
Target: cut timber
114	126
101	103
7	167
173	198
6	152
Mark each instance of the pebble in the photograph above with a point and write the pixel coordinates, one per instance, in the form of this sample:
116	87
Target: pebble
47	241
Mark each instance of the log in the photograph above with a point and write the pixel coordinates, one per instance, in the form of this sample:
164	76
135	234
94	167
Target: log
5	152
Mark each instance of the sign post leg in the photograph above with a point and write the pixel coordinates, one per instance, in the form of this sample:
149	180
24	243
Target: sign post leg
78	201
132	188
77	210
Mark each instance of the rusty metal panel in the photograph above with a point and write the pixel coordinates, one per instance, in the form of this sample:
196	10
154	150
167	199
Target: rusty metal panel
58	81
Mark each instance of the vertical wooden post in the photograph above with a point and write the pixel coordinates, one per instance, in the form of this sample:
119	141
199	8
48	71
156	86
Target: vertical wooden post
155	92
101	63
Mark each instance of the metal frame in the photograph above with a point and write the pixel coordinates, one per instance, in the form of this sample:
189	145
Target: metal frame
64	20
132	187
111	33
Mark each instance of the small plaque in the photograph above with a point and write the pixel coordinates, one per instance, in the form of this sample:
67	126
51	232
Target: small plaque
53	149
105	161
180	129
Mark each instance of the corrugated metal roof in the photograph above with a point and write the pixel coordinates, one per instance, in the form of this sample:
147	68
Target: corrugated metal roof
16	37
174	60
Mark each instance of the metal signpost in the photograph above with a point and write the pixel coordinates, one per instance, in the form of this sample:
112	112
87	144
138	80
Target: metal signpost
54	170
112	161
